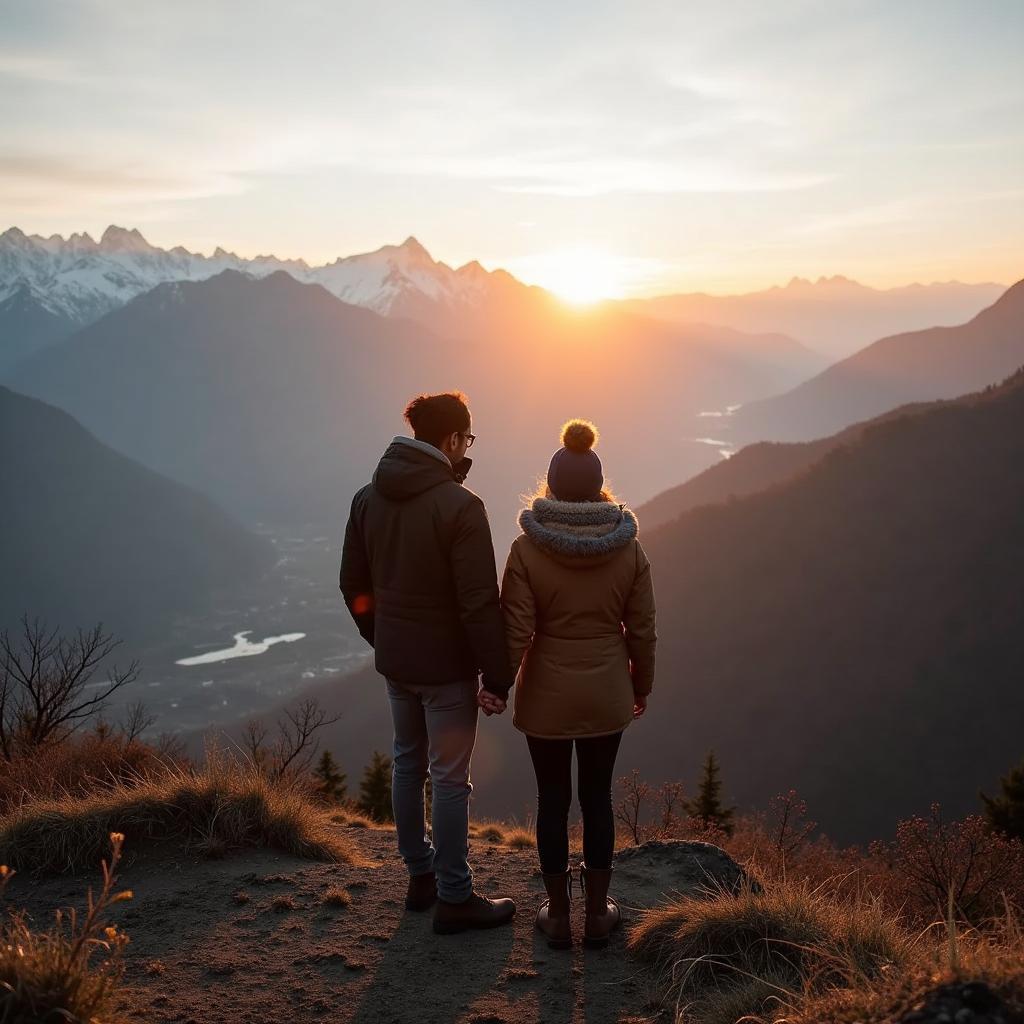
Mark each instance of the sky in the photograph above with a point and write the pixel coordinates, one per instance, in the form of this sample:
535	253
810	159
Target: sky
645	147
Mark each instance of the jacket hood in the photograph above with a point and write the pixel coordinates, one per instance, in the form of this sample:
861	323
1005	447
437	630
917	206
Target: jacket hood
579	532
408	468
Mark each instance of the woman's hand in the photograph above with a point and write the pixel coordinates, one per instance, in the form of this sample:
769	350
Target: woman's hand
639	704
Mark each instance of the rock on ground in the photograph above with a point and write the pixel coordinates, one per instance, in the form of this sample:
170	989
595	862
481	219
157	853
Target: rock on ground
971	1002
656	872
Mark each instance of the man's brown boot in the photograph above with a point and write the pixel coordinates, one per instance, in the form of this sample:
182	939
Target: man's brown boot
476	912
603	914
553	915
422	894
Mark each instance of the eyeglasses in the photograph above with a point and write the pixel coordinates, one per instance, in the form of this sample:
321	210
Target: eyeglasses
470	438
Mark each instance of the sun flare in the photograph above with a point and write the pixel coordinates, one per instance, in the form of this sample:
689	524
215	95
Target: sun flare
580	276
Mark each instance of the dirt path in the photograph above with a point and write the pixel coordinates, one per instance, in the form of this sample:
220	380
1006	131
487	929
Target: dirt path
202	954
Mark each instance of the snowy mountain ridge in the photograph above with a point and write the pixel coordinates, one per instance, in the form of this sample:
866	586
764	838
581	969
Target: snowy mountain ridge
80	279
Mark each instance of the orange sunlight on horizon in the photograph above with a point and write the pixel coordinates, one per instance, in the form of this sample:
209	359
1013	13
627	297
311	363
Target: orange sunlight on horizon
580	276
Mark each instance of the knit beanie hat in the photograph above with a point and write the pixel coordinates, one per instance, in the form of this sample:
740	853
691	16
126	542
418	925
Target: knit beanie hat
575	472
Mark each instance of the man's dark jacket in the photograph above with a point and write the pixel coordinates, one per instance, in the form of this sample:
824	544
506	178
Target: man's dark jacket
418	574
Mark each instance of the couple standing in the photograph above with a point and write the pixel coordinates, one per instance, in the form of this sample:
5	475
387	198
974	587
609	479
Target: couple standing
574	626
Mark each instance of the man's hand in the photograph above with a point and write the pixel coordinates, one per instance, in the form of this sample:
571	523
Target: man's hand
639	704
490	703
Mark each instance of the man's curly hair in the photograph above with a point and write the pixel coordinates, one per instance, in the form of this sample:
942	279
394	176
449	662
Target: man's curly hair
434	417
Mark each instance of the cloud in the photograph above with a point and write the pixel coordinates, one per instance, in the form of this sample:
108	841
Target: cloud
37	178
41	68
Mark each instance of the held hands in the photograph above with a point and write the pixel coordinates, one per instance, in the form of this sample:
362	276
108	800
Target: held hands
639	704
489	703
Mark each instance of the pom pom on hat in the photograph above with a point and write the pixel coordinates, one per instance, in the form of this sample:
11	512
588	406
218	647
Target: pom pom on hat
579	435
575	472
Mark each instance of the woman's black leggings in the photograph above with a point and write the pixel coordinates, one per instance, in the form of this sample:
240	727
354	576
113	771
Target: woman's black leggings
552	762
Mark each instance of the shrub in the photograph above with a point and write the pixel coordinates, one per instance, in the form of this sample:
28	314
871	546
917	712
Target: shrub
92	761
934	858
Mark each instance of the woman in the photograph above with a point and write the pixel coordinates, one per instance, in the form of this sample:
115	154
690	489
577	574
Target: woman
579	615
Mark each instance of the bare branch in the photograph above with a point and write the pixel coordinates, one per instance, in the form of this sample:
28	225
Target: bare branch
45	682
136	722
296	746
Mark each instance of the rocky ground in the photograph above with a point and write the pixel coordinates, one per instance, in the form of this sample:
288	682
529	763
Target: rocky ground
251	938
261	937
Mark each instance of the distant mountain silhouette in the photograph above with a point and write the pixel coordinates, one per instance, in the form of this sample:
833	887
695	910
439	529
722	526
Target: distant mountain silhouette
833	315
941	362
87	535
276	398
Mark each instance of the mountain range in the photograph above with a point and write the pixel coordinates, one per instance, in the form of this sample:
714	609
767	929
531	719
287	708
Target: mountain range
52	286
88	535
58	285
276	398
940	362
833	315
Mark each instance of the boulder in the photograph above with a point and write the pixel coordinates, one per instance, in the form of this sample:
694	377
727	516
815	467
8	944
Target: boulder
970	1002
657	872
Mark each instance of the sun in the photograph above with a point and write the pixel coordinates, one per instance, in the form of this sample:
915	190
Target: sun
580	276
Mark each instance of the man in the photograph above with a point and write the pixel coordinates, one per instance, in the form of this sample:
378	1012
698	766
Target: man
418	576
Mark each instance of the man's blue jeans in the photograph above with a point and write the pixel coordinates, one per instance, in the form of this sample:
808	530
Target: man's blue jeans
435	730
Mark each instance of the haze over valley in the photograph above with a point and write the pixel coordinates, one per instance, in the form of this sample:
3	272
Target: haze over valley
222	411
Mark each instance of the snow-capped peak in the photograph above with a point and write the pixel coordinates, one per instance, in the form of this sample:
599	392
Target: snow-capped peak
81	279
116	239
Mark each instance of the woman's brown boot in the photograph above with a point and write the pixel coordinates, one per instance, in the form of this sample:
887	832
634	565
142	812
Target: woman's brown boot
603	914
553	915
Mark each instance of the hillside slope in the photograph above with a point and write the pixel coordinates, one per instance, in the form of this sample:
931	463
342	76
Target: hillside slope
835	632
755	468
88	535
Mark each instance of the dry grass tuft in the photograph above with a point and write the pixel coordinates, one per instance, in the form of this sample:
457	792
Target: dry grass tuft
71	971
520	838
508	834
222	806
491	833
994	956
729	956
336	897
283	904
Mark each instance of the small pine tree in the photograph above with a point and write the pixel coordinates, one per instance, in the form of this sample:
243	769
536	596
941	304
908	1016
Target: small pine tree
375	789
1005	812
331	783
706	806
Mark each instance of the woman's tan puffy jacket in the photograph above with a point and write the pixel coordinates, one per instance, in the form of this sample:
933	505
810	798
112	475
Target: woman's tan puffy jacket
579	616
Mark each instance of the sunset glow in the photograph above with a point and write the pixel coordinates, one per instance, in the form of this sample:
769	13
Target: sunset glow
725	149
580	276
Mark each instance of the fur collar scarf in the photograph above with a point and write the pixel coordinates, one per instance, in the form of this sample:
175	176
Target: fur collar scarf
578	530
